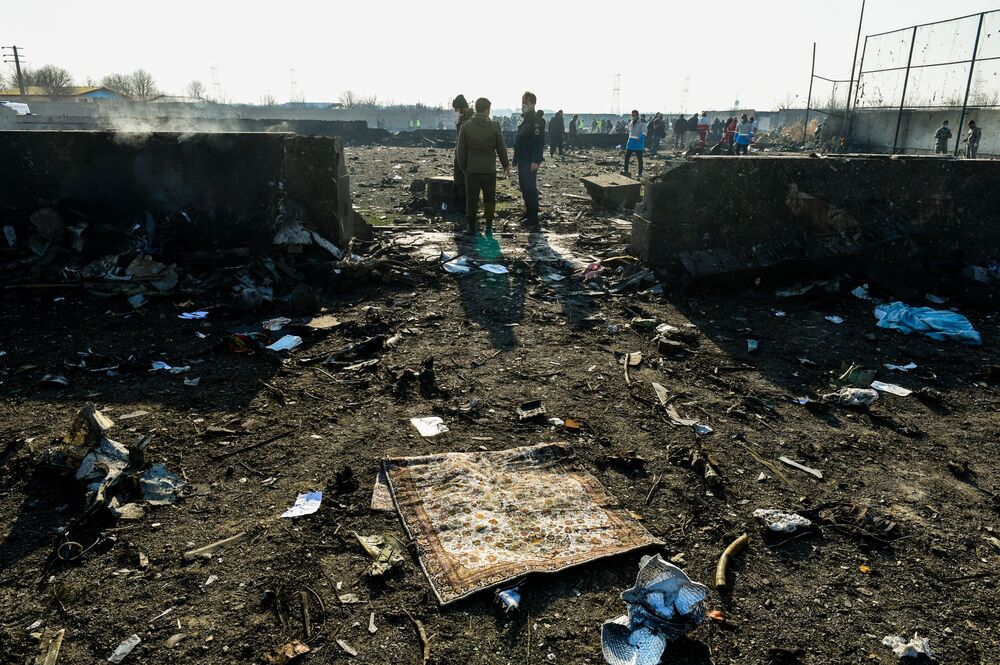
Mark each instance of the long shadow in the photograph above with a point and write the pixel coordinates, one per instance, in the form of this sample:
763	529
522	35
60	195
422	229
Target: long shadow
46	505
495	302
575	309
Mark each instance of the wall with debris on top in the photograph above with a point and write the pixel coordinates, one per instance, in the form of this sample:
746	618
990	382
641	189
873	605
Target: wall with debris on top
721	214
201	191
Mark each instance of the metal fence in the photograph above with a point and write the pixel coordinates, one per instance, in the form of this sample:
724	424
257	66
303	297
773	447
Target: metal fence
947	64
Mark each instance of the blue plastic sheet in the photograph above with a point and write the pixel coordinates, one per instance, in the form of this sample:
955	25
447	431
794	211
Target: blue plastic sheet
938	324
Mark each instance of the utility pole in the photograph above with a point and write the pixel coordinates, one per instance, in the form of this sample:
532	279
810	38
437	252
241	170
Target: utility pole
17	67
684	93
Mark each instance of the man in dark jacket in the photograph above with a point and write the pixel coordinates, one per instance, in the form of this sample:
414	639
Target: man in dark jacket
680	132
972	140
529	152
464	113
574	127
556	129
480	144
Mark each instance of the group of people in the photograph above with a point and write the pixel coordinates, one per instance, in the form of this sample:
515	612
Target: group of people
481	144
943	136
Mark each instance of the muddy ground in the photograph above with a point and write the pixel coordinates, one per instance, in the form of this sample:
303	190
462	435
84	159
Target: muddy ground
830	595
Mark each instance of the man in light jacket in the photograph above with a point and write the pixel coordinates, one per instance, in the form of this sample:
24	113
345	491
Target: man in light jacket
636	141
744	135
941	138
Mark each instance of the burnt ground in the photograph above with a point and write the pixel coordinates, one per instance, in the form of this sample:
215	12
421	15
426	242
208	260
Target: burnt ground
831	594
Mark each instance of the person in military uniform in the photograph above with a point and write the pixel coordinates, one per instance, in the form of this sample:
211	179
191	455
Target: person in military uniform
529	151
464	114
556	131
480	144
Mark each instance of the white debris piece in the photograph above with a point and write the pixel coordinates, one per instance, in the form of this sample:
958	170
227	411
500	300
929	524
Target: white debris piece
918	646
124	649
891	388
429	426
852	397
781	521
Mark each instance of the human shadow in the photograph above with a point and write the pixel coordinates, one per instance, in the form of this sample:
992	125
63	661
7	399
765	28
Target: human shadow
495	301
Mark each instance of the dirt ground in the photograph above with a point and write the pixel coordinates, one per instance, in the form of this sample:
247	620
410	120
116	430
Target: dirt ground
828	595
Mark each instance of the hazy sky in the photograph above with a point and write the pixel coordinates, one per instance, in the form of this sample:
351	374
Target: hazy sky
427	51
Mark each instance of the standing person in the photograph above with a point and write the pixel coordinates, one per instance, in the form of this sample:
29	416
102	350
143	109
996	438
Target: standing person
744	133
753	127
636	141
556	129
702	129
574	127
657	130
972	140
941	138
693	124
461	107
595	127
680	132
529	152
480	144
729	134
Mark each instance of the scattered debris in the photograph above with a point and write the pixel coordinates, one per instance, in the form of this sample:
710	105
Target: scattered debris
852	397
801	467
287	653
385	550
533	409
286	343
509	599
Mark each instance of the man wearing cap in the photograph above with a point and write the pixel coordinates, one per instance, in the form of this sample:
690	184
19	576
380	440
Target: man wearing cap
464	114
480	144
529	150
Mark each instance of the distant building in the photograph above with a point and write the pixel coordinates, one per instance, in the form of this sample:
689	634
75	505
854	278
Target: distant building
35	93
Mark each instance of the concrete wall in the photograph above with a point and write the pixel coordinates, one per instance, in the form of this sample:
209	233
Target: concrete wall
230	187
723	214
875	129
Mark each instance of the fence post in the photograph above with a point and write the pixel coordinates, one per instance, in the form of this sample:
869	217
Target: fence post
845	130
857	90
812	75
968	87
906	82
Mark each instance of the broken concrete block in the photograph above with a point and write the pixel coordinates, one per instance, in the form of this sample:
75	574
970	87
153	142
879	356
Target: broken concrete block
611	190
440	190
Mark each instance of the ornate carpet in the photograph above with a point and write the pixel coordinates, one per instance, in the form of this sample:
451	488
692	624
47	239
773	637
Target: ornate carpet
484	518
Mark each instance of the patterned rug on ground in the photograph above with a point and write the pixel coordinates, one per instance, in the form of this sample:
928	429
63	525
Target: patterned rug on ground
484	518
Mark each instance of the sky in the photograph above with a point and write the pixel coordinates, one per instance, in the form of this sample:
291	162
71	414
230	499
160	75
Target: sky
429	51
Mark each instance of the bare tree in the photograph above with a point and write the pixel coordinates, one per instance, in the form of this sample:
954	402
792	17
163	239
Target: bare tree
53	80
143	86
267	100
120	83
348	99
788	102
196	89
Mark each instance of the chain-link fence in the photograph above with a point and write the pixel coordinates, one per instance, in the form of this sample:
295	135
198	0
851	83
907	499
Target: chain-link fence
952	64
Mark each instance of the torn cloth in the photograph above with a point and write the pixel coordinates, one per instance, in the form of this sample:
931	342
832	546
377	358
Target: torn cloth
938	324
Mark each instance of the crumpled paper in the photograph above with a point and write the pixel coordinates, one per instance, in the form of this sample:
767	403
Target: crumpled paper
663	605
908	649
